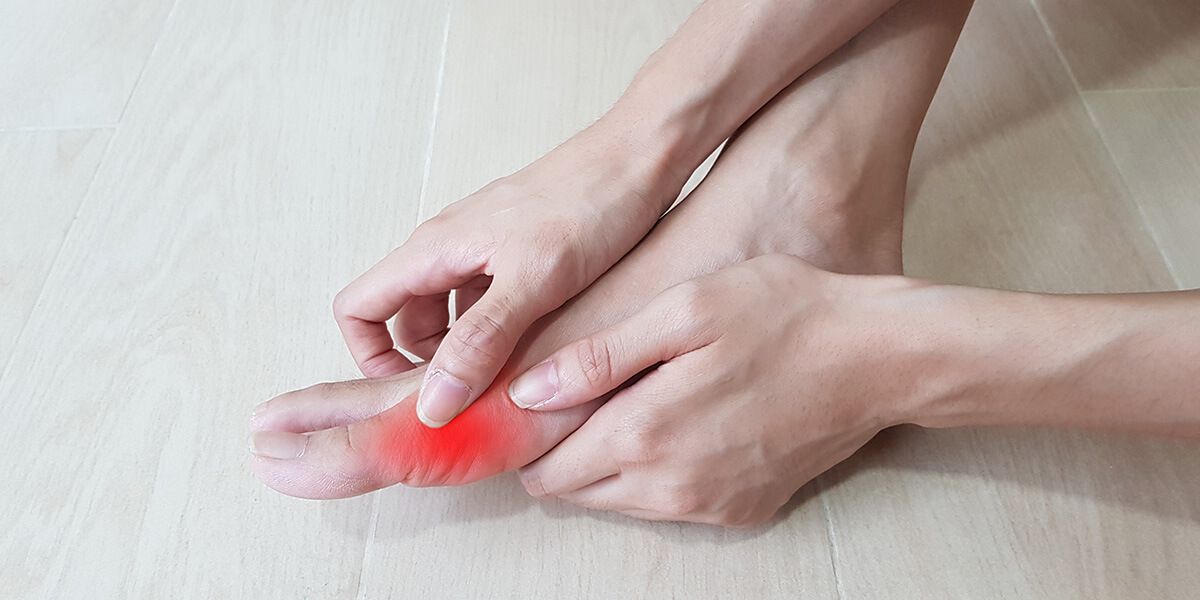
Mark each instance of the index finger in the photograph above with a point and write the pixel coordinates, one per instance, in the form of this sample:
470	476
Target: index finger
363	308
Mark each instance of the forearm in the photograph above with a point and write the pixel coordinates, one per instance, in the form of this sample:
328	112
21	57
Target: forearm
725	62
1120	361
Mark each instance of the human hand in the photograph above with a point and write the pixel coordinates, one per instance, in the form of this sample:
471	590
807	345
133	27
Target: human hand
515	250
764	375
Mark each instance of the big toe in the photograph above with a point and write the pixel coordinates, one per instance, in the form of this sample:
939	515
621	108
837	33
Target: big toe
392	446
326	405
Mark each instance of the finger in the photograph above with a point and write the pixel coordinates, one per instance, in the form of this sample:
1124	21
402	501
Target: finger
595	365
578	461
609	494
466	296
328	405
422	323
363	308
615	494
473	351
394	447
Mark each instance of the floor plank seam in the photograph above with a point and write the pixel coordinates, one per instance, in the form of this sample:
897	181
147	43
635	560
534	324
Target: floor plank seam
56	128
54	262
363	570
166	23
1112	160
831	535
1145	90
433	118
372	527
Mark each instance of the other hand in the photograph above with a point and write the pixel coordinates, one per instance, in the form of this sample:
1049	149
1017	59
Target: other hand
761	376
514	251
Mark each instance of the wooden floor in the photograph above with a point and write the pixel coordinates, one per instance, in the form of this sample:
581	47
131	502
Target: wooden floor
185	183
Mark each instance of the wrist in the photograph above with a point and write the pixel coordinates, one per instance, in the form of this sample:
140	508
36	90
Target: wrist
666	134
633	160
1014	358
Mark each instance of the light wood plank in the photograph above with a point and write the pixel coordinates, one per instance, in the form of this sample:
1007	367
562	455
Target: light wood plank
521	77
70	63
1154	138
1117	44
264	161
1013	188
273	150
44	178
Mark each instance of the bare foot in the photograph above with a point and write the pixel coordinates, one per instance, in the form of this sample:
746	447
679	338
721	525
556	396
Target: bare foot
811	175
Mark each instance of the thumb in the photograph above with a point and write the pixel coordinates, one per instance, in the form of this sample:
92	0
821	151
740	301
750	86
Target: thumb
473	351
595	365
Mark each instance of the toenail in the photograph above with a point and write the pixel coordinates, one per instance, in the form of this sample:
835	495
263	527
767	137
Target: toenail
258	411
278	444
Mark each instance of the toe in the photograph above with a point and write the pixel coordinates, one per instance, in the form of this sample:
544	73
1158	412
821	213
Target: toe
490	437
329	466
328	405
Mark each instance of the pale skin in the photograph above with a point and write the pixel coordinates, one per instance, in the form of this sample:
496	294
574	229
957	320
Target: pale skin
525	244
818	174
814	175
765	374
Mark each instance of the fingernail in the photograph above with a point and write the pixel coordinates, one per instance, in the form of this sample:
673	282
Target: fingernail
535	386
258	411
442	398
278	444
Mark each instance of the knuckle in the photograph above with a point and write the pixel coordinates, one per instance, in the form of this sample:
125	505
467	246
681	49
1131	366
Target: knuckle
353	465
594	358
689	309
503	188
343	304
743	518
744	522
478	341
634	446
534	486
689	293
690	298
679	502
773	261
559	260
433	224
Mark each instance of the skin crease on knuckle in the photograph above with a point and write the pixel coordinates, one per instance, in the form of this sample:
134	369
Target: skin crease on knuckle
594	358
557	260
478	340
762	442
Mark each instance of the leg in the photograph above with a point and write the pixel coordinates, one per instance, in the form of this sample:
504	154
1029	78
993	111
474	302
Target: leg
819	173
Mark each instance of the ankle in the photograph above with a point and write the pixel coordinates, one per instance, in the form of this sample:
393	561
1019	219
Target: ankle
840	207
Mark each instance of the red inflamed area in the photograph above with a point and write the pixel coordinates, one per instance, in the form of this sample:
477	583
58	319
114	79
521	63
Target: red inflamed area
490	437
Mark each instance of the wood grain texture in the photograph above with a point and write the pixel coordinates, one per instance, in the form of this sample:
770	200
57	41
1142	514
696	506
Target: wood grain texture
44	178
256	171
71	63
523	76
1116	44
273	150
1013	188
1154	137
519	78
